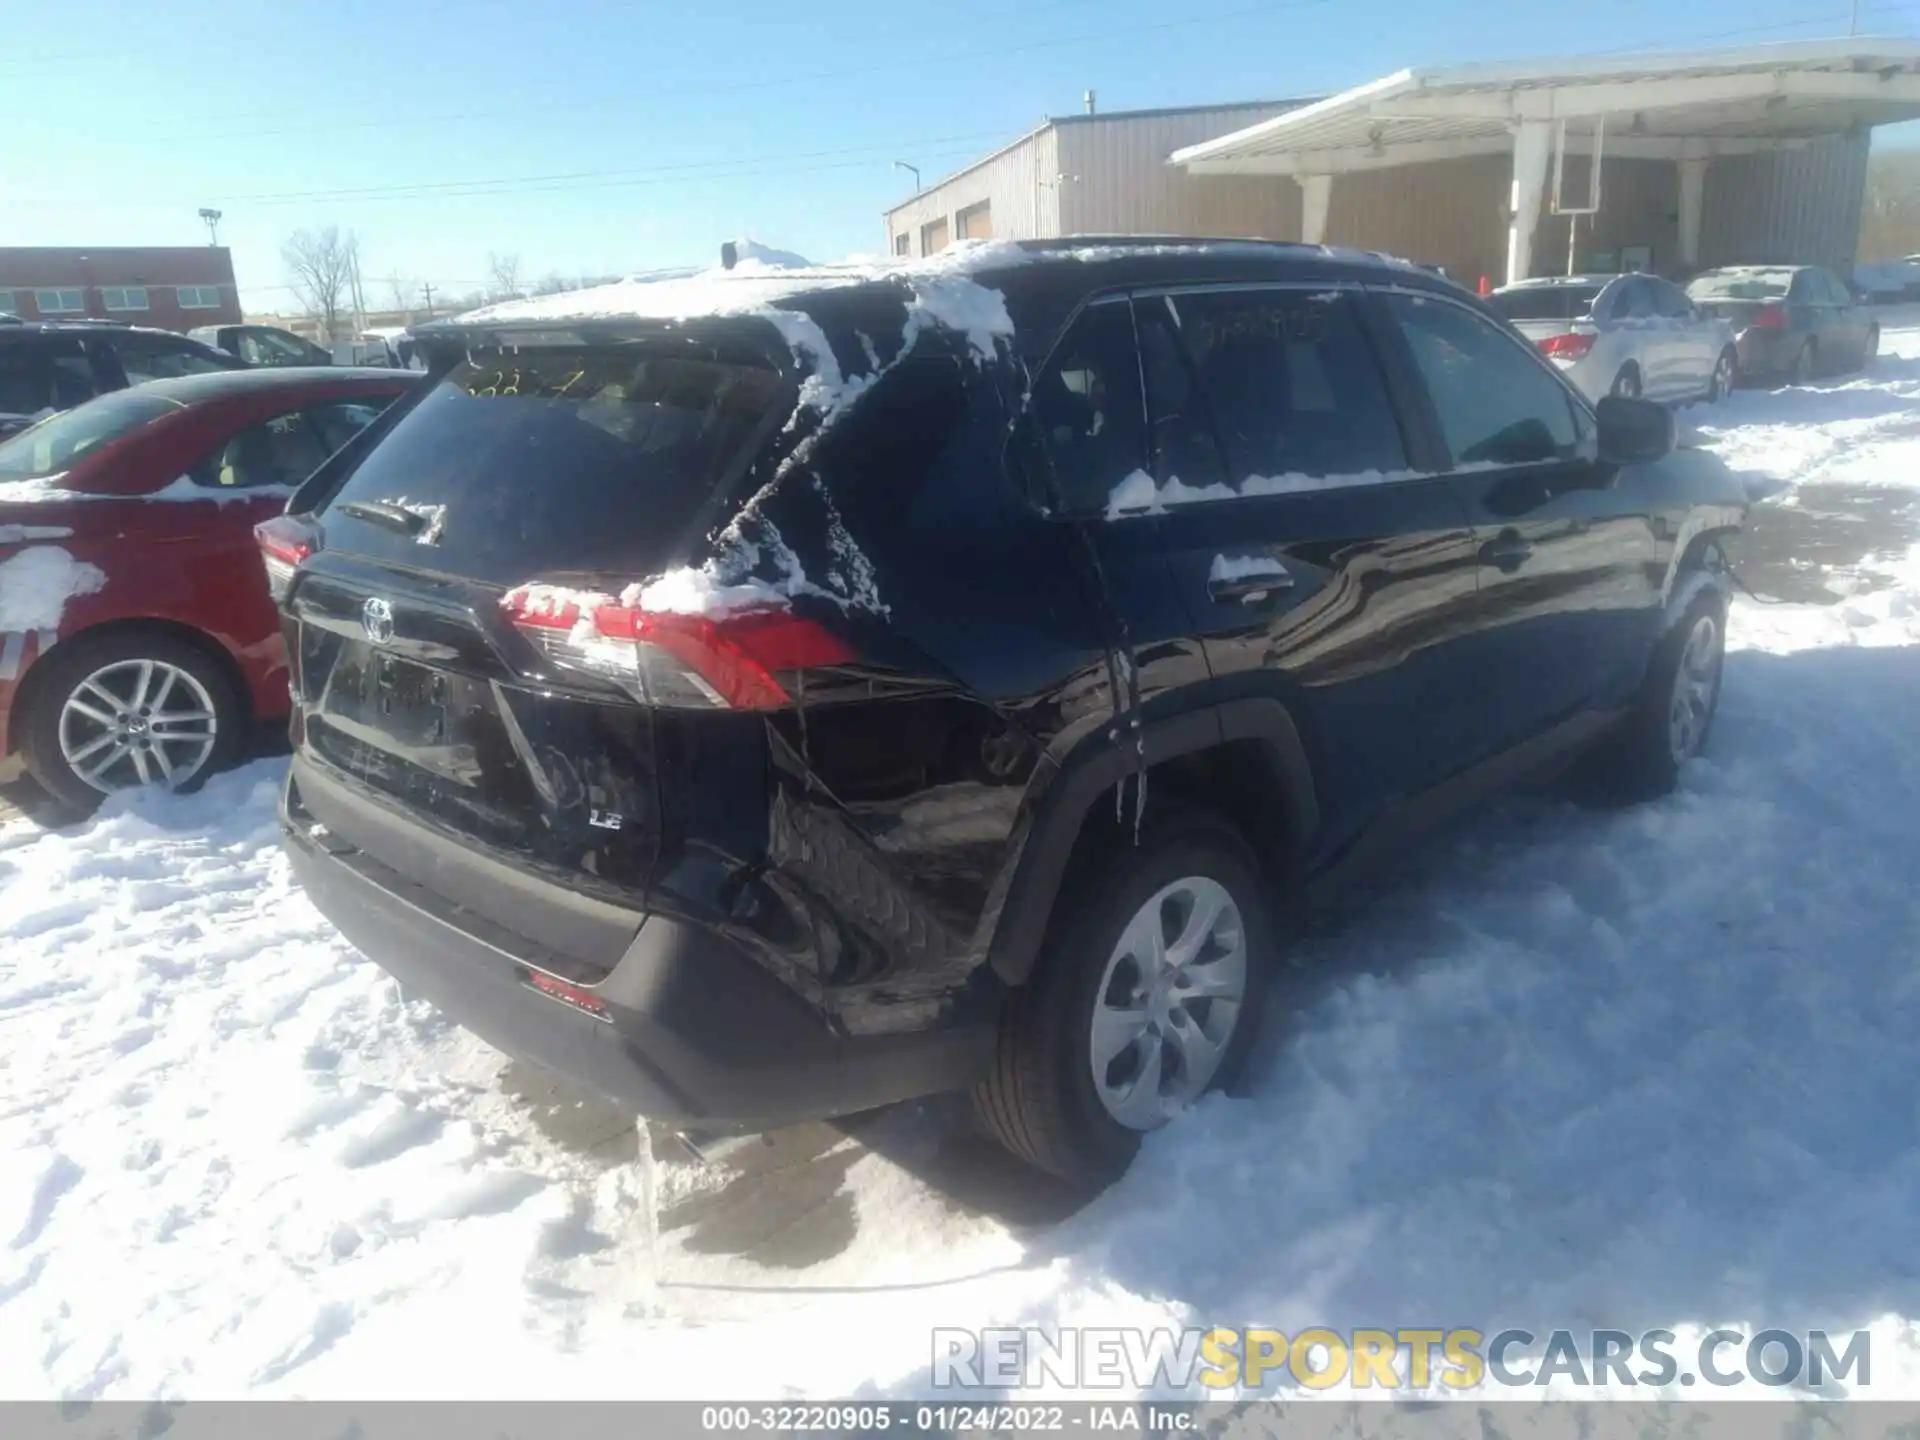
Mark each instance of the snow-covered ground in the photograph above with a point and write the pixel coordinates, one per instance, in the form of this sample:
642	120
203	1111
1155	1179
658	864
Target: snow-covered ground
1652	1068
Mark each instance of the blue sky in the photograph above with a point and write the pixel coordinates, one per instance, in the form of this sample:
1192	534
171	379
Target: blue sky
598	137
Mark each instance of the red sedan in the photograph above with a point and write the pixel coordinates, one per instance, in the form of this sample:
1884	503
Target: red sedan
138	644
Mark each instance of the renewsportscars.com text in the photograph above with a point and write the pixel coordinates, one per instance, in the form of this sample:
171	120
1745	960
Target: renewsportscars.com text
1255	1359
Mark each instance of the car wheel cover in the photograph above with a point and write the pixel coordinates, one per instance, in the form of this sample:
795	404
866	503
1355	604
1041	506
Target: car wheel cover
1696	681
1722	383
137	722
1168	1002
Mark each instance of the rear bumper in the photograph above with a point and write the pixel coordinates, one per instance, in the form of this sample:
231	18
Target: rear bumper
1767	352
692	1032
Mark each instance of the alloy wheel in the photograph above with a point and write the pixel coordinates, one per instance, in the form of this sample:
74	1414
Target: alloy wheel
1168	1002
1722	383
137	722
1696	680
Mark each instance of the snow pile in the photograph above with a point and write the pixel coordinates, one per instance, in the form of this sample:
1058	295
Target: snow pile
36	584
21	534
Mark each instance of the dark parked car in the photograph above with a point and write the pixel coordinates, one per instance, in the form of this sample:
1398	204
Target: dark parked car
754	740
265	345
1791	321
137	638
48	366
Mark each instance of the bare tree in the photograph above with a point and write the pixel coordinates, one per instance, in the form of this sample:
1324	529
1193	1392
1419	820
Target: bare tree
402	293
322	266
504	272
554	284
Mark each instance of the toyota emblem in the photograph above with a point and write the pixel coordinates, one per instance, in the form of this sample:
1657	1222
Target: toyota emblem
376	618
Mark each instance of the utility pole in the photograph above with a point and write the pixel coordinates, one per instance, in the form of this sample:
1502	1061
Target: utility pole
212	218
426	289
1853	20
903	165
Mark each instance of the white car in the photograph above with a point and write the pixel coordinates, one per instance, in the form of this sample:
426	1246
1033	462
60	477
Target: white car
1624	335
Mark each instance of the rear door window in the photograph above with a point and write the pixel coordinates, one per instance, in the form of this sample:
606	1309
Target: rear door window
1293	384
559	462
1087	410
39	376
273	454
161	357
1496	400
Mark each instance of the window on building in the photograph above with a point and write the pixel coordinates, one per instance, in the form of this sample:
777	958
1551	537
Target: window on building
125	297
903	244
9	303
933	236
1497	401
198	297
975	222
60	302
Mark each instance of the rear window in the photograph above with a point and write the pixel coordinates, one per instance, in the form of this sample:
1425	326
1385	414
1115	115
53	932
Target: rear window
557	462
1743	285
1546	302
56	444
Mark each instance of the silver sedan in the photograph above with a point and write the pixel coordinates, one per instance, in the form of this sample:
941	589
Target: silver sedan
1624	335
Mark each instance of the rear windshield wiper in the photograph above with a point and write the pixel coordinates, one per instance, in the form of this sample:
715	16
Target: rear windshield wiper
394	517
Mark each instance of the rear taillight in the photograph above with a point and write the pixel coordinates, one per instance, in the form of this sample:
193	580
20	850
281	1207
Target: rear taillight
1769	317
1571	346
734	662
284	542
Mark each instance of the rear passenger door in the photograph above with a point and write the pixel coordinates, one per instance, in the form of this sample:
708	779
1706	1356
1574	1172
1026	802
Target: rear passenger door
1569	580
1695	348
1318	566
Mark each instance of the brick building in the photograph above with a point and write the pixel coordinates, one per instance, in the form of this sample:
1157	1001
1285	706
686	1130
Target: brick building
172	287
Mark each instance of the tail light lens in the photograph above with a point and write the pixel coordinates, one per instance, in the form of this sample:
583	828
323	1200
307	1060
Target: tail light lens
1770	317
284	541
739	662
1571	346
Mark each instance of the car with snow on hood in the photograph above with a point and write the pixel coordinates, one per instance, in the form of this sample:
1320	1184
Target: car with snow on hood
761	697
138	643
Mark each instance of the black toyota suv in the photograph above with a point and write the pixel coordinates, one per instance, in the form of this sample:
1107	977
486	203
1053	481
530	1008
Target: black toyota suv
947	677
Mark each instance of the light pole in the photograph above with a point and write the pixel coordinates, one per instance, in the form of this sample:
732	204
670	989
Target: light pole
212	217
915	169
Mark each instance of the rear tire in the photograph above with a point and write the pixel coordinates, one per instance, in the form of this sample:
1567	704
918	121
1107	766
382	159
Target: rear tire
63	744
1044	1100
1674	712
1726	371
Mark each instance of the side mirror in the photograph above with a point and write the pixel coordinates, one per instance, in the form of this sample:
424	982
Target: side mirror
1635	432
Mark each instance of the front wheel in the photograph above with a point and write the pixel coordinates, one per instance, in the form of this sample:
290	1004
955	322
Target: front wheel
1670	720
128	711
1147	996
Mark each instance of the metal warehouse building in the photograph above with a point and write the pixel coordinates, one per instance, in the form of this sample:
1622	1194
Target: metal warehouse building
1736	156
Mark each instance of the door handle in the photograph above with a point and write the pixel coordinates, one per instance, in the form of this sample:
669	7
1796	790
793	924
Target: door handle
1506	552
1254	587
